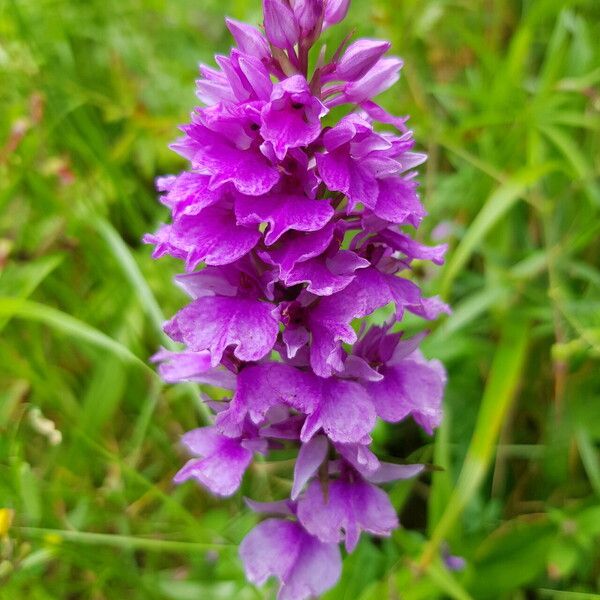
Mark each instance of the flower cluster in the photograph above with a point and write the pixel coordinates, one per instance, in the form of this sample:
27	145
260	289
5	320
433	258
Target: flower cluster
299	226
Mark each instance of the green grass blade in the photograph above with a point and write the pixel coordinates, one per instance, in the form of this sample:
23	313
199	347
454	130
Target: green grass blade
130	268
498	396
496	206
58	536
55	319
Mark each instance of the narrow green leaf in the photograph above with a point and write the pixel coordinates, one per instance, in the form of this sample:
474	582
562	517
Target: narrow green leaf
58	536
496	206
33	311
497	398
129	266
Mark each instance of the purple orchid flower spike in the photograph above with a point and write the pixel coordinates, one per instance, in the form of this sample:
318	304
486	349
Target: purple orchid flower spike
293	227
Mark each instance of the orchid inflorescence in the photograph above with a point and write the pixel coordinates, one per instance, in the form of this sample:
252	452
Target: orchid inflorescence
300	229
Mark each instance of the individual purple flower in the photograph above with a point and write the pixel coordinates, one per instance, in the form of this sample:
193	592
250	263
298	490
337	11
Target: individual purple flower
305	566
292	118
293	228
344	509
223	141
221	464
411	386
283	213
452	562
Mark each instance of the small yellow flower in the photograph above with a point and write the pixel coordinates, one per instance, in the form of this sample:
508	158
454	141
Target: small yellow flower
6	519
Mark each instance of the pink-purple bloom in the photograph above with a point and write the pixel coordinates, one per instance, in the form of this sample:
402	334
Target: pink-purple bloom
292	228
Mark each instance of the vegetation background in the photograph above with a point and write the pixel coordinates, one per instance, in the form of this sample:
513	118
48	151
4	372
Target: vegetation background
505	97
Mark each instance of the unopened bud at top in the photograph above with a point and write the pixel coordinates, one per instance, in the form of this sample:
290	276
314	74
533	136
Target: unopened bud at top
335	11
249	39
280	24
360	58
309	16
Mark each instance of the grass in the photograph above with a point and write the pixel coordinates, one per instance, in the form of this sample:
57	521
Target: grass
505	98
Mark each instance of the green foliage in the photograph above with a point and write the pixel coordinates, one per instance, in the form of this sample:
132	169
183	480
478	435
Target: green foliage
505	98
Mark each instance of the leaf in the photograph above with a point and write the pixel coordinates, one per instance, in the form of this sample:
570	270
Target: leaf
33	311
21	281
499	393
495	207
569	148
129	266
520	548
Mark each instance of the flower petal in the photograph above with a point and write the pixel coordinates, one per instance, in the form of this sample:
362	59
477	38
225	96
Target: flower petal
283	213
310	458
215	323
223	464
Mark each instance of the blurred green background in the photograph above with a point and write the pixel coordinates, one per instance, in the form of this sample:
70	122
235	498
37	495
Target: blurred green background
505	97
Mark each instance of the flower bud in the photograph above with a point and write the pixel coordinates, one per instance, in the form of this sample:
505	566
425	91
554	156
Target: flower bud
280	24
336	11
380	78
249	39
360	58
308	15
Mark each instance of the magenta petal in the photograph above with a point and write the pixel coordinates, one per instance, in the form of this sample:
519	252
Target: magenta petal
211	281
311	456
413	249
360	457
317	569
212	237
262	387
380	78
376	112
326	276
293	117
270	549
177	367
343	174
348	509
356	367
360	58
398	201
345	413
249	173
270	508
412	387
308	14
298	247
305	566
227	159
336	11
389	472
189	194
330	321
222	466
249	39
280	24
215	323
283	213
294	339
